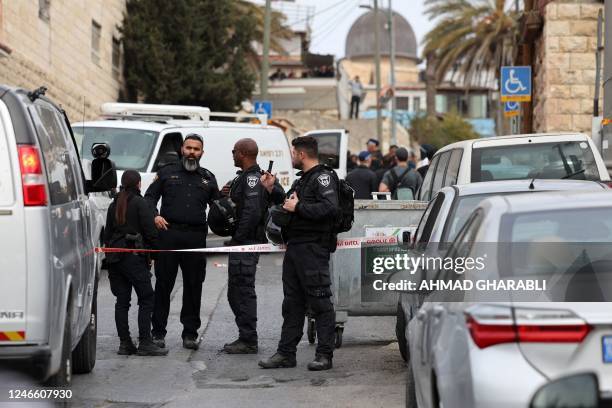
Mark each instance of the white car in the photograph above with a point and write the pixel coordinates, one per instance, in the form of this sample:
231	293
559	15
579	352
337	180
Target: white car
540	156
447	212
482	354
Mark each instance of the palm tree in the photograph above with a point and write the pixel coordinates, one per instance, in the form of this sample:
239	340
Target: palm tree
471	39
278	29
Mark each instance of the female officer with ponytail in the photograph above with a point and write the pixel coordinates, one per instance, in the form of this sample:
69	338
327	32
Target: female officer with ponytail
130	224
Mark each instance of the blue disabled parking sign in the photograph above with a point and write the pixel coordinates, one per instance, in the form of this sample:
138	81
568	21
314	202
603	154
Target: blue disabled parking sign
261	107
511	109
515	84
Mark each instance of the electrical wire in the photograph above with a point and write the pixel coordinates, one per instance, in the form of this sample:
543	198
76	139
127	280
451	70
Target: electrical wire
314	14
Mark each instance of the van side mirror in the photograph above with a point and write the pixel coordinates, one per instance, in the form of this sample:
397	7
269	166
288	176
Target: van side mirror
103	171
103	175
580	390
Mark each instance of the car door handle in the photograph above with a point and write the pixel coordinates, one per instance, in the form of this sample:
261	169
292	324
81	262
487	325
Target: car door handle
421	315
438	310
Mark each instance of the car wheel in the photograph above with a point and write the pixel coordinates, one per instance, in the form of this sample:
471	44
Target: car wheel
63	377
411	401
400	333
84	355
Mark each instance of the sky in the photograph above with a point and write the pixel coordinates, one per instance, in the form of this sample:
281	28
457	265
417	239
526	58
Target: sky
333	19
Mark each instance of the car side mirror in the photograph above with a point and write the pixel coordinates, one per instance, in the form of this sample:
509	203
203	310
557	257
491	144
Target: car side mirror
406	236
580	390
405	277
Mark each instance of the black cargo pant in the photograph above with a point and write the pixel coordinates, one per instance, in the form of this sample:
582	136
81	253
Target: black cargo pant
241	294
131	271
307	283
193	267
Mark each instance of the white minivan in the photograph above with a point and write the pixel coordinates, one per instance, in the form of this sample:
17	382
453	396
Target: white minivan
143	137
49	228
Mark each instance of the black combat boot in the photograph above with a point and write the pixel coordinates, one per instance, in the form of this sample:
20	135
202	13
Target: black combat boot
159	341
240	347
278	361
126	347
191	343
146	347
320	363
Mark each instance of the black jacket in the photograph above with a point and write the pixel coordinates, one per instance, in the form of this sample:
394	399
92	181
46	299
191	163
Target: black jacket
185	195
317	208
252	201
139	220
364	181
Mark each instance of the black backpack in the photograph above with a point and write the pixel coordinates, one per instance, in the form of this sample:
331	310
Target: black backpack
346	200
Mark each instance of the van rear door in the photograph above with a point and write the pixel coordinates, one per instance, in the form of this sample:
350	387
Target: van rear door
13	268
333	146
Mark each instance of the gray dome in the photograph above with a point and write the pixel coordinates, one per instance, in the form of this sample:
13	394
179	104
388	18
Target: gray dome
360	39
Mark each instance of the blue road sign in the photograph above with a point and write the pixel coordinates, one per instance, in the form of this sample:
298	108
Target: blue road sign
260	107
515	84
511	109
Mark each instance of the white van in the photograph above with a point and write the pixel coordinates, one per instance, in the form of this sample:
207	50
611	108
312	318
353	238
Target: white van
49	227
144	136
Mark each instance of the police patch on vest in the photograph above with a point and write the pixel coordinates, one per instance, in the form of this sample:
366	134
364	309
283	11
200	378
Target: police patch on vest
252	181
324	180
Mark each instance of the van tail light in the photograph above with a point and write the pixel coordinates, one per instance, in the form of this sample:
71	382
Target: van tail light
492	324
32	179
607	183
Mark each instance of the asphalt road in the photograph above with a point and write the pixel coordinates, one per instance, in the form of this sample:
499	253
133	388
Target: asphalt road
368	370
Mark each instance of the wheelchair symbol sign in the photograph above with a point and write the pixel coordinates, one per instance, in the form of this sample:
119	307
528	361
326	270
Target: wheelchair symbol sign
511	109
516	84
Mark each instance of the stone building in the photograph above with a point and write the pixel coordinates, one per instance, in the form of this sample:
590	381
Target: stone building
72	47
559	40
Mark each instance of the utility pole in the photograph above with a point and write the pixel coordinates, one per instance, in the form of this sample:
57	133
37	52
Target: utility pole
265	61
377	62
392	74
606	123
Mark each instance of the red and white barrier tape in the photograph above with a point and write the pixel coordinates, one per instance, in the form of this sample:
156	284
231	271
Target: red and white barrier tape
344	243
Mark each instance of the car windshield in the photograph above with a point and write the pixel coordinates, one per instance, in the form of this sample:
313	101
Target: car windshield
130	148
563	160
557	242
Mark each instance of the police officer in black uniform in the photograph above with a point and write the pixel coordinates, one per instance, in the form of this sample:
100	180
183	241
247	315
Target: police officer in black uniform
251	199
313	204
129	224
186	189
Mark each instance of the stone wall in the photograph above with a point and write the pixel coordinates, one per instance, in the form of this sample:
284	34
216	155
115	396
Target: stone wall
564	67
56	52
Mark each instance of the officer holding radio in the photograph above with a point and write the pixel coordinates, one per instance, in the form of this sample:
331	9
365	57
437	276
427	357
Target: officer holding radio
307	220
251	199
